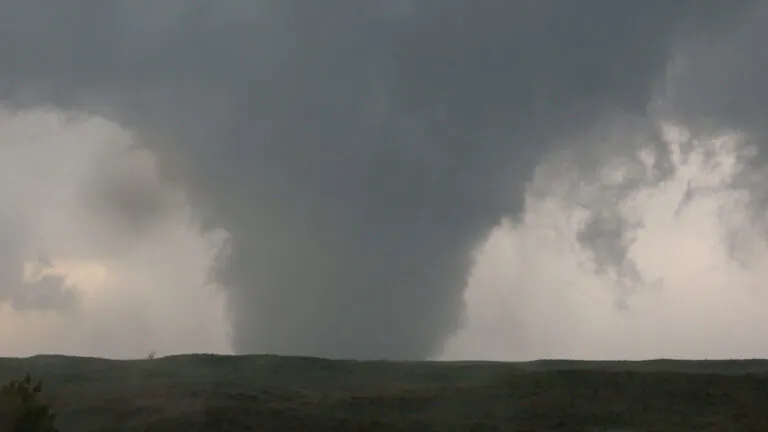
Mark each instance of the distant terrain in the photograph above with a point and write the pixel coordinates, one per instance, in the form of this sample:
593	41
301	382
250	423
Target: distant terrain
271	393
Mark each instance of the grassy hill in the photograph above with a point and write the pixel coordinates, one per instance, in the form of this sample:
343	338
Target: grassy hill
270	393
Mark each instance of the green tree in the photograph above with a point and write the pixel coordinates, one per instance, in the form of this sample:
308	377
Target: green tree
22	408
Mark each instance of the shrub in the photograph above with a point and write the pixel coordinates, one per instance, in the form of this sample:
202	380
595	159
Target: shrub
22	409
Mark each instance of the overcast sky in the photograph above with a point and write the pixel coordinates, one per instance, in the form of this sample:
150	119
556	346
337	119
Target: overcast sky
384	179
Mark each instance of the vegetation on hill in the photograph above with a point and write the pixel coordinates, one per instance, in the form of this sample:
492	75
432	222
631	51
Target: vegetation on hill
270	393
22	408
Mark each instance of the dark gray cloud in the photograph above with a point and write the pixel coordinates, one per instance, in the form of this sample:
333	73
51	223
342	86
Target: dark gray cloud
719	80
48	293
126	199
37	291
356	150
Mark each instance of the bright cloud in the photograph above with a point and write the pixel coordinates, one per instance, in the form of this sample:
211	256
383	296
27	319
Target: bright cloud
690	281
87	218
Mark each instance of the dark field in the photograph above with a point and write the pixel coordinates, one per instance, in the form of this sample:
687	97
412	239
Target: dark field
269	393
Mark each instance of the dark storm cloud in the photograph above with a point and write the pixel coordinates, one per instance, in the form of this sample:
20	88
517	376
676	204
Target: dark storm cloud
355	150
720	80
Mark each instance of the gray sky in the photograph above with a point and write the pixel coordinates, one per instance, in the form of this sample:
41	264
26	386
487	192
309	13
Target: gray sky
323	172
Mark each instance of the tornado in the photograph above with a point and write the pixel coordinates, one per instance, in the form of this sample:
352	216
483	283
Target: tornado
356	152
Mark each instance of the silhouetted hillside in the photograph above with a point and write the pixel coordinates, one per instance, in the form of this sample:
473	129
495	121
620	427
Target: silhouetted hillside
270	393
